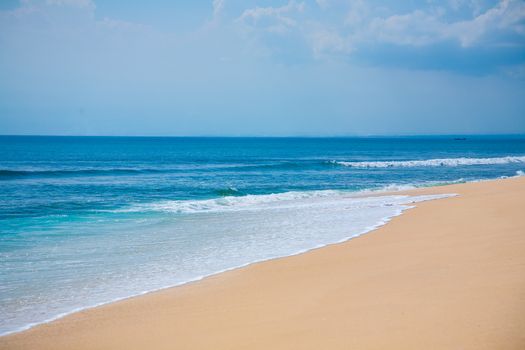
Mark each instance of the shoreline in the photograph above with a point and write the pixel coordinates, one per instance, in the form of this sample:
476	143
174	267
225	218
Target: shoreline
385	191
26	338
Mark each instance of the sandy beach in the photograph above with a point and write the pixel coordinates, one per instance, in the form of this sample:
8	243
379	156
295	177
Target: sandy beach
447	274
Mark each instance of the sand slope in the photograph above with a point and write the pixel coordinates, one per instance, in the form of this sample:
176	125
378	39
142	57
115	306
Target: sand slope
449	274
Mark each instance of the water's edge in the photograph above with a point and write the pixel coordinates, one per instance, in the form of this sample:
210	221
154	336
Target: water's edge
371	228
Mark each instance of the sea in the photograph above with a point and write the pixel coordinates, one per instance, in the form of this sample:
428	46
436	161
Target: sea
85	221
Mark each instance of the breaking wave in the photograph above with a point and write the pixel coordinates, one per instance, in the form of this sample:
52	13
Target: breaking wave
228	203
445	162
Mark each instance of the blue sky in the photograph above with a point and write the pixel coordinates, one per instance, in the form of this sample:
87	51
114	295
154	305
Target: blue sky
231	67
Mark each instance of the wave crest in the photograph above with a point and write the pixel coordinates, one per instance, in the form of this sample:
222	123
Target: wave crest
228	203
6	173
445	162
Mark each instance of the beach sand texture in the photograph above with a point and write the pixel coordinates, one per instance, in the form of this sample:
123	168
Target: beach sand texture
448	274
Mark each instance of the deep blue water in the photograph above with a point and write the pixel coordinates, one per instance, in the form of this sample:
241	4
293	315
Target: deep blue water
42	176
85	220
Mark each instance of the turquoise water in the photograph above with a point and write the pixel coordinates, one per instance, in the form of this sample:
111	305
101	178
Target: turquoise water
88	220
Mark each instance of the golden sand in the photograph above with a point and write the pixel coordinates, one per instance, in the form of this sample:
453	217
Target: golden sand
448	274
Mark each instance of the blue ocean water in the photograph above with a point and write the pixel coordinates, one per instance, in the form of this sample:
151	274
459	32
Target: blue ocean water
88	220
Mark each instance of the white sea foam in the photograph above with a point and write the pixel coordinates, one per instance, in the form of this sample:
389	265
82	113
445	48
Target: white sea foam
262	201
230	203
100	264
447	162
395	187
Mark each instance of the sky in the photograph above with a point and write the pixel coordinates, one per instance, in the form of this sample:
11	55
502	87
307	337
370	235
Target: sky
262	68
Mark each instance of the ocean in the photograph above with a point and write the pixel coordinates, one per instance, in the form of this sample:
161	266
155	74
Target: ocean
89	220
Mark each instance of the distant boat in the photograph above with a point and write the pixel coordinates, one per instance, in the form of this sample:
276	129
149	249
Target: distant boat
460	138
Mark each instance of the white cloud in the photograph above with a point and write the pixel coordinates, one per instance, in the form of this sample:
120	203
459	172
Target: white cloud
475	6
424	27
359	10
52	30
334	27
416	28
218	6
279	18
508	15
325	41
75	3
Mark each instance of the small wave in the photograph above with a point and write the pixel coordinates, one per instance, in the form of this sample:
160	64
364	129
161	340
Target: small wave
445	162
5	173
235	167
229	191
233	200
520	173
228	203
400	187
277	165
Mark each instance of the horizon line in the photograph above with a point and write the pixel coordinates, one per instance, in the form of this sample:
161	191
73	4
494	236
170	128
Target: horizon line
271	136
